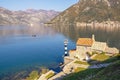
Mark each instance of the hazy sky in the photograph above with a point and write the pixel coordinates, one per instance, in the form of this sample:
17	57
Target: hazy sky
58	5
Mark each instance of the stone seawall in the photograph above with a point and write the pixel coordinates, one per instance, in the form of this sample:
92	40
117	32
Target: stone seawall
100	24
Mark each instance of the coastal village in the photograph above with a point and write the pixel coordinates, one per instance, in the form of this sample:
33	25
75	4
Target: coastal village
86	46
32	35
87	50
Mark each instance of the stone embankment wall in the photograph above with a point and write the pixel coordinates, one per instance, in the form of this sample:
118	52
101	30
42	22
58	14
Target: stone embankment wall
100	24
67	60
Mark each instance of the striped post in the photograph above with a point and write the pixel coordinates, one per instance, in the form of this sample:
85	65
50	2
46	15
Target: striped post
65	47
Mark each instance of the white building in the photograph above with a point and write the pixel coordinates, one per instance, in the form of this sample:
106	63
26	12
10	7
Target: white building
89	45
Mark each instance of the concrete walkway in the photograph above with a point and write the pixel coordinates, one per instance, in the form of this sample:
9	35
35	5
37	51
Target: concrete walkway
100	65
70	67
58	76
43	76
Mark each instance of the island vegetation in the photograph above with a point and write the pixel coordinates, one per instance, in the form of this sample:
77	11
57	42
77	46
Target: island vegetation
107	73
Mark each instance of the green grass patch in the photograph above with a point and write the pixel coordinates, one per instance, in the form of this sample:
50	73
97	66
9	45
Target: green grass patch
112	59
78	69
111	72
94	52
81	62
82	74
101	57
49	75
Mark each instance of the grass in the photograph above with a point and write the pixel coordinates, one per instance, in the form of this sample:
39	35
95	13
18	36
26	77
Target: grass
49	75
112	59
101	57
82	74
111	72
78	69
81	62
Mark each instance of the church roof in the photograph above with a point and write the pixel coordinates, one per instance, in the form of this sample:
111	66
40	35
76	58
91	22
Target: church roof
84	42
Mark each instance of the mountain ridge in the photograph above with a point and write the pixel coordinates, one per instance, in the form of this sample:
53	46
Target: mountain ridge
26	17
89	11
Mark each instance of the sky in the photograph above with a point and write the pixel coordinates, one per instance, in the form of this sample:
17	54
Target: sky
58	5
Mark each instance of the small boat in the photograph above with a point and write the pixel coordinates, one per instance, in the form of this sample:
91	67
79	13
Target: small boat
33	35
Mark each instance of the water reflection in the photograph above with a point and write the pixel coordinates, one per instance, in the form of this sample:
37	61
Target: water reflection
25	30
109	35
15	32
20	50
26	48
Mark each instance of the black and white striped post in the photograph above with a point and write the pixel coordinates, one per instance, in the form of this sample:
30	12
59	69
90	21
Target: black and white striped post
65	47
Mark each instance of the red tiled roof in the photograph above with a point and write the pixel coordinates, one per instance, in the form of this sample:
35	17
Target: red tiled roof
84	42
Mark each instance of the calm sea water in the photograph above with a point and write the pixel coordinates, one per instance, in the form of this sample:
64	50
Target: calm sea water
25	47
20	49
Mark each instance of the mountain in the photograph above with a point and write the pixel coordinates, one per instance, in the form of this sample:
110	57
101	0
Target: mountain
27	17
89	11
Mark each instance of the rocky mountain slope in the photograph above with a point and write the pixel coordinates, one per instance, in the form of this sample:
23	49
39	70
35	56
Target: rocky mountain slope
26	17
89	11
